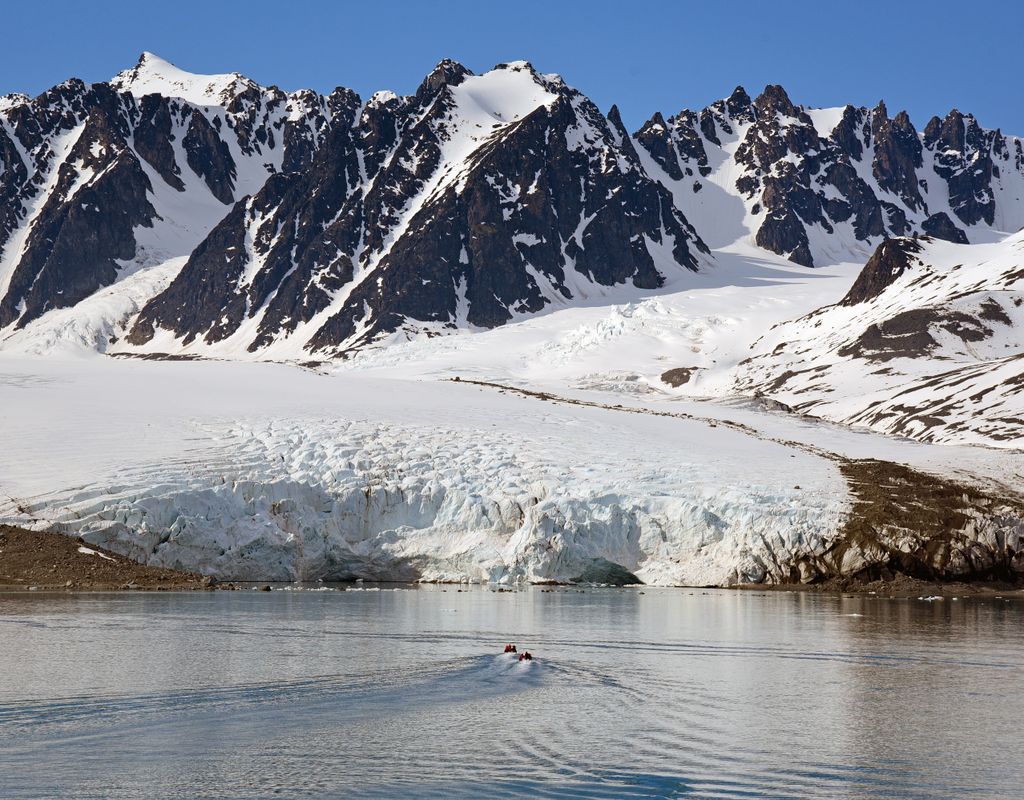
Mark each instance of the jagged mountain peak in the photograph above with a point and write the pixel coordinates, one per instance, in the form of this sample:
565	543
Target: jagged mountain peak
553	81
452	65
615	116
892	258
826	184
953	128
902	119
155	75
381	98
501	95
738	101
448	72
507	91
11	100
517	66
774	98
658	119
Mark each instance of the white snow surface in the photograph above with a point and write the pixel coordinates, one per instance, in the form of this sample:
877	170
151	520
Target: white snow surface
825	119
154	75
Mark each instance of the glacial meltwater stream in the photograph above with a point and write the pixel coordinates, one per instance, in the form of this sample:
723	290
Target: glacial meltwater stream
402	692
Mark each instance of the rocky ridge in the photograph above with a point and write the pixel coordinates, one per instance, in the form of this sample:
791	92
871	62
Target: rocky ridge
237	220
820	185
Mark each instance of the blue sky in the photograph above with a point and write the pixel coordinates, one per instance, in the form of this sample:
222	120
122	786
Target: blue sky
645	56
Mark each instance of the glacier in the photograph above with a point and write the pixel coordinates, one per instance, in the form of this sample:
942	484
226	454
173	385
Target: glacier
263	471
239	471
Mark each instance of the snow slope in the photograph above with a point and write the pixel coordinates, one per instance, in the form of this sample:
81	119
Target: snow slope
93	324
937	355
154	75
622	344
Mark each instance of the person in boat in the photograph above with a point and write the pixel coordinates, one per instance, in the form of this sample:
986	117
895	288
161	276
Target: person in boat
526	656
510	648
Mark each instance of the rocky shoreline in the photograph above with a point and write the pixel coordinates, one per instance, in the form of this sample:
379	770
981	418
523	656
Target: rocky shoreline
897	587
39	561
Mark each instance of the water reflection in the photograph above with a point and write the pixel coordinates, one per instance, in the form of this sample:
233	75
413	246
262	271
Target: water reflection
662	693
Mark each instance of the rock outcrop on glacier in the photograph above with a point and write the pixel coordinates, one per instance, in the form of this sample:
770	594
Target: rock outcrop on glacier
927	343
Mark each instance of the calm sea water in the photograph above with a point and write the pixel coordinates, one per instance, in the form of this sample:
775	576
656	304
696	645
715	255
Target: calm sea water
665	693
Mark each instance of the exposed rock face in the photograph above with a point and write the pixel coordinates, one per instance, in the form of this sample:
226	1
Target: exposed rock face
941	226
679	376
889	262
906	522
295	225
314	224
897	156
54	561
905	335
963	157
608	572
209	157
362	244
98	197
14	174
814	181
153	139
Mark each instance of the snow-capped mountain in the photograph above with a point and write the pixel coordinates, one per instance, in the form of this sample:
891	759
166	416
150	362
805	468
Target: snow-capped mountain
475	200
166	212
324	221
629	324
821	186
101	182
